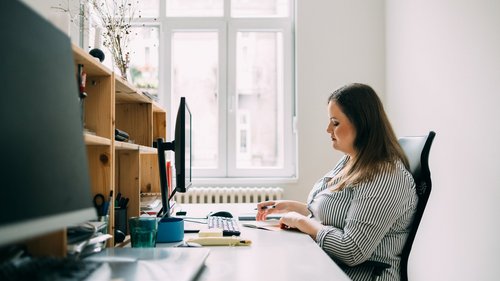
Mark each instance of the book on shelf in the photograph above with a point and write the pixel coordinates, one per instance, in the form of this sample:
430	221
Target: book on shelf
169	176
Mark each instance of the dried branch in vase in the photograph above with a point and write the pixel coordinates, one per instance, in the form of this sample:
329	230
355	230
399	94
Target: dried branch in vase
116	17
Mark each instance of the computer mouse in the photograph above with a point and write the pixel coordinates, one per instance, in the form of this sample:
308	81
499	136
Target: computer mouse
225	214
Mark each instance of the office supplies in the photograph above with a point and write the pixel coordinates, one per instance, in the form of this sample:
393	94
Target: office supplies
224	214
75	234
125	203
107	204
150	202
267	207
99	203
220	241
123	136
251	216
212	232
229	226
121	219
94	244
118	197
180	264
273	225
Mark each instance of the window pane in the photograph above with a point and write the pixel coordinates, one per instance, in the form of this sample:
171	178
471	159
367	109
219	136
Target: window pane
195	76
195	8
259	8
144	59
259	87
148	8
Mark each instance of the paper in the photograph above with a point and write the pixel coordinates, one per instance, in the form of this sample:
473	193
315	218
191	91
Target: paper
150	202
273	225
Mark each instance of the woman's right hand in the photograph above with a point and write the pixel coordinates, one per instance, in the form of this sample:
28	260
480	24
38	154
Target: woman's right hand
266	208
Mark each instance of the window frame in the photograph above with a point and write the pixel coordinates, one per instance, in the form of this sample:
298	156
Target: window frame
228	28
274	25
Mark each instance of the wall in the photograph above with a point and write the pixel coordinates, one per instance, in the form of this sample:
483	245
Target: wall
52	10
337	42
443	73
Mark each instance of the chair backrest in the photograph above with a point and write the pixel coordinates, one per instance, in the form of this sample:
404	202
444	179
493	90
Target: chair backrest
417	151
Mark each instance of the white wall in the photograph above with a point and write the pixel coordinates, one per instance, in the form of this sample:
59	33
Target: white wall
338	42
53	11
443	73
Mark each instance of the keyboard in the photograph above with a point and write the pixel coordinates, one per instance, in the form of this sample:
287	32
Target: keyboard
229	226
52	268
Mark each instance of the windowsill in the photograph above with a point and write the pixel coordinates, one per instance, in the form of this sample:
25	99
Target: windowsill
243	181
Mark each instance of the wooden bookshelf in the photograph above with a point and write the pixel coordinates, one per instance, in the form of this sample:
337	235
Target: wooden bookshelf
121	167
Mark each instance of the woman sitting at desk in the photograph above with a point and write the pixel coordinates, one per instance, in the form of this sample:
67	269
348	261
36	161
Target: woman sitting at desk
363	208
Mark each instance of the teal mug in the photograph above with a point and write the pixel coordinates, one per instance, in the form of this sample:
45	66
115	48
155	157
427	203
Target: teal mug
143	231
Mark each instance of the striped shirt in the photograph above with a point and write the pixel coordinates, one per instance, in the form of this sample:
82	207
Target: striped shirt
368	221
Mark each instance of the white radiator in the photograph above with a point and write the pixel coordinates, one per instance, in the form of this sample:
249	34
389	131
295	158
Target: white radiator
229	194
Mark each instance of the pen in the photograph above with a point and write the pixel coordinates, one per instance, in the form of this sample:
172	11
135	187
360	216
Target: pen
107	204
267	207
117	199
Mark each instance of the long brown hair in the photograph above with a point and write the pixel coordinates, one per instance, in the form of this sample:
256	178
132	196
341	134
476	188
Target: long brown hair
376	144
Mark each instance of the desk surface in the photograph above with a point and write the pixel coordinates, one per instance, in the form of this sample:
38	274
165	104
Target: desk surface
273	255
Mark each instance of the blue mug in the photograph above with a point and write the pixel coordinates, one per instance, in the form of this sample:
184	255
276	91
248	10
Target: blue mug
170	230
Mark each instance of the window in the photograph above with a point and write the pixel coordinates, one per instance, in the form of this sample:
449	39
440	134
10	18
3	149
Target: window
233	61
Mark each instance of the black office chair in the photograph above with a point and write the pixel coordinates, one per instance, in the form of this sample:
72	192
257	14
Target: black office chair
417	151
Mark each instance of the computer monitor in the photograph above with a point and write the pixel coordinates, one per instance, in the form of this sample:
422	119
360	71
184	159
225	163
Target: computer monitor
181	146
44	172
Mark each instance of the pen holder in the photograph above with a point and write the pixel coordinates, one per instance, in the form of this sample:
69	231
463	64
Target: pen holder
170	230
121	220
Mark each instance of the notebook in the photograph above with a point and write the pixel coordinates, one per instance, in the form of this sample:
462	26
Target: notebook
251	216
182	264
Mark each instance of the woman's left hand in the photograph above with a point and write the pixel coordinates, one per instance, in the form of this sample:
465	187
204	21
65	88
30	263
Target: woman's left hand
292	220
300	222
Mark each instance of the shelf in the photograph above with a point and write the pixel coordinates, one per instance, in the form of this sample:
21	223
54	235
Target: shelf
95	140
120	145
126	93
148	150
157	107
92	66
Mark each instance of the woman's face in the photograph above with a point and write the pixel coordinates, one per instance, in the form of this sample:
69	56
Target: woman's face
341	130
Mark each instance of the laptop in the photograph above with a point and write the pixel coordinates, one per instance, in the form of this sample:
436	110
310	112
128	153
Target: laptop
181	264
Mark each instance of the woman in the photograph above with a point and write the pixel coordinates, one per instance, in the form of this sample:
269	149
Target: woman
363	208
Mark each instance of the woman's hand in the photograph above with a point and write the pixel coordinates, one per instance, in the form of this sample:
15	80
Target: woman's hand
291	220
270	207
300	222
279	207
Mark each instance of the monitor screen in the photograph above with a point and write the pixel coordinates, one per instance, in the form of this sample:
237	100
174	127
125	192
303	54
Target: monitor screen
45	179
181	147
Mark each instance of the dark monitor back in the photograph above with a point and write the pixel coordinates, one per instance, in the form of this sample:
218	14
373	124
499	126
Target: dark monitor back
44	171
182	147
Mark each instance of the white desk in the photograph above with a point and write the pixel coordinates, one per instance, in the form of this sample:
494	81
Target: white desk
273	255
